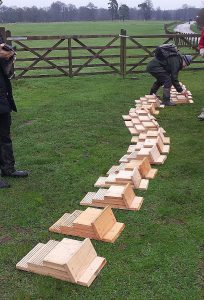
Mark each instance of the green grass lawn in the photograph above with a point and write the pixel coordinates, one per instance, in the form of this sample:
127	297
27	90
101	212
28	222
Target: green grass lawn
67	133
75	28
194	27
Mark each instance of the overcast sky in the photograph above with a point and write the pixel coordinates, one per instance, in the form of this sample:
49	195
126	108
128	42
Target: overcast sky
163	4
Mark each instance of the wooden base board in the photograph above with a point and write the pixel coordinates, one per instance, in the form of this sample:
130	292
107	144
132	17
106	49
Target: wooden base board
66	218
151	174
143	166
133	131
160	160
153	155
134	140
114	233
136	205
122	197
150	142
126	118
124	159
92	223
103	183
34	262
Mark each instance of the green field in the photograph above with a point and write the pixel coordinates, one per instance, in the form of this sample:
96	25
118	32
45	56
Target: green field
83	28
79	55
75	28
67	133
195	28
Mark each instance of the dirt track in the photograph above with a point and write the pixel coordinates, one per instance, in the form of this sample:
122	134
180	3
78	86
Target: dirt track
184	28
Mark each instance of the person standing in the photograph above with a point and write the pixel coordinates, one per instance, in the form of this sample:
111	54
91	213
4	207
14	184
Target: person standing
7	105
201	48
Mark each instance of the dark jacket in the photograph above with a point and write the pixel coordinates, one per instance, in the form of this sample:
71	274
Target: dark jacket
7	103
172	65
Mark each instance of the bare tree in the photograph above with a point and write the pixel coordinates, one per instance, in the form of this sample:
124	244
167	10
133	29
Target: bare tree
124	12
71	12
158	14
146	8
113	8
92	11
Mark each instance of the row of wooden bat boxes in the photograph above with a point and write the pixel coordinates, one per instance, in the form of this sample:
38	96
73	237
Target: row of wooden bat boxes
77	261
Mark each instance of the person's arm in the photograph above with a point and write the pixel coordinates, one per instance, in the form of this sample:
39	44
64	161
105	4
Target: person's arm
174	64
5	54
201	44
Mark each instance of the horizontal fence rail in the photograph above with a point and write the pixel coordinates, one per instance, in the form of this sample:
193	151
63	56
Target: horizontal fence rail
81	55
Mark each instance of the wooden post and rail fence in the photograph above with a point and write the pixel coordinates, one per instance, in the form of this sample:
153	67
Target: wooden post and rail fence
81	55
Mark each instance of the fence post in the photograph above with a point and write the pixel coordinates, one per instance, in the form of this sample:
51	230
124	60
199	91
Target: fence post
70	56
2	35
176	41
123	34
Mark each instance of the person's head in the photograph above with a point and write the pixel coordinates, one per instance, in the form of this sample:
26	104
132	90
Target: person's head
186	60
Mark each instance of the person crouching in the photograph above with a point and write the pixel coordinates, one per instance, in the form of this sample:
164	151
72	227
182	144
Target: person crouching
166	73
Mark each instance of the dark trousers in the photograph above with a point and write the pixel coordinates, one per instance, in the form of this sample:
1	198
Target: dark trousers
7	160
162	79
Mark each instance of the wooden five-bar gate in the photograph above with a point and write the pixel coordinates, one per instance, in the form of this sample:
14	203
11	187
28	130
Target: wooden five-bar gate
78	55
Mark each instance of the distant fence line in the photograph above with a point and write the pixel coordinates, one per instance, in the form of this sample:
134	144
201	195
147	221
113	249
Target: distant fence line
170	25
80	55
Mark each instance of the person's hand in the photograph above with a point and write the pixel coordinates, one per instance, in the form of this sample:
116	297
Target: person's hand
184	93
5	54
202	52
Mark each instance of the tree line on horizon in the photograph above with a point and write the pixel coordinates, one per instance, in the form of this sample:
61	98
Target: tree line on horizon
61	12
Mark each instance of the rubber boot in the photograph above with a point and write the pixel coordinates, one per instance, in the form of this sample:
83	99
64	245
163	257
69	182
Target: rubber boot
166	97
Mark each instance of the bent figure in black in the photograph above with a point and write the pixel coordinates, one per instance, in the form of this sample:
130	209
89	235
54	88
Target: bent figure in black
166	73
